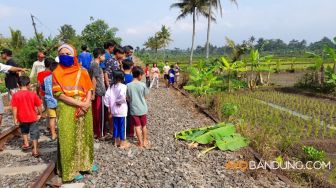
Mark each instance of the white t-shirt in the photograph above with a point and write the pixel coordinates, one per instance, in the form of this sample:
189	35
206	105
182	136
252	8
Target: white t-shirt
4	68
38	67
166	69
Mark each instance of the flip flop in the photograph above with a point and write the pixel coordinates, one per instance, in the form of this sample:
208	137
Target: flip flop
25	147
36	155
79	177
94	168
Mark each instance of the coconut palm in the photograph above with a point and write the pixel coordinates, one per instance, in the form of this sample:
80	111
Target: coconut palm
154	43
194	8
213	4
17	39
165	38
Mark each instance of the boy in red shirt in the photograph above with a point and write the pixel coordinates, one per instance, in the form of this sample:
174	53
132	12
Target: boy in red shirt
42	75
24	104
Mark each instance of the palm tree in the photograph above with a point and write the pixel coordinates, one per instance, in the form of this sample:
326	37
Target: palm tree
165	38
17	39
216	4
154	43
194	8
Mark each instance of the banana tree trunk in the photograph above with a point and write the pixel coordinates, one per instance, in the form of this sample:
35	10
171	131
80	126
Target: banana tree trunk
268	78
208	33
193	37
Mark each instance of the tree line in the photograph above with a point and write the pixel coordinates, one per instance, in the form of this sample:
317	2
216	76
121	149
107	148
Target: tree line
25	49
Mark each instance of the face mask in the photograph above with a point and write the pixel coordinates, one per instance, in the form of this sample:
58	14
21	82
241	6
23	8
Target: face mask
66	60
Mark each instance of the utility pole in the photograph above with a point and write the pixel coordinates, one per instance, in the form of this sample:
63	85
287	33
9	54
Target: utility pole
34	25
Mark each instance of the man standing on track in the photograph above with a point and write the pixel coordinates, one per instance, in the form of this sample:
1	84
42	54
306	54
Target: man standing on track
5	69
38	65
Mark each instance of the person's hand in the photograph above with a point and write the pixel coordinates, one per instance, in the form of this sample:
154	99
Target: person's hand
93	97
81	113
86	104
38	117
16	122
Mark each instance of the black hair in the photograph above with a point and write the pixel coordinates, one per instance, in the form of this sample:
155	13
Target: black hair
128	48
23	81
118	76
171	66
97	52
127	64
154	64
118	49
84	47
8	52
47	62
137	71
147	64
110	43
53	66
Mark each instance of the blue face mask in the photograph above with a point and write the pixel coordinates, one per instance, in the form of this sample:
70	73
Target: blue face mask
66	60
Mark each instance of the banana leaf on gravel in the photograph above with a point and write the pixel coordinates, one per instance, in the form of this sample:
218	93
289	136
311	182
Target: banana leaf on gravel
222	136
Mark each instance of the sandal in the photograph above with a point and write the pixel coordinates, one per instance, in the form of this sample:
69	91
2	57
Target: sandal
36	155
25	147
94	168
79	177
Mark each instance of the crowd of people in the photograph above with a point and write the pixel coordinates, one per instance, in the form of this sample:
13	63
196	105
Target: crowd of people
86	96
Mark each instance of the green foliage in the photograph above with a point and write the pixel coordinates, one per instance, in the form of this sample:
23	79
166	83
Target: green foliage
314	154
67	33
28	54
17	39
97	33
223	136
202	79
229	109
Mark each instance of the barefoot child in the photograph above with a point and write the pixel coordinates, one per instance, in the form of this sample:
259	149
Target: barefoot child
23	104
115	100
136	93
97	77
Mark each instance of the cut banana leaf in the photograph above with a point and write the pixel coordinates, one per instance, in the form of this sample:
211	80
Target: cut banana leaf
232	143
215	134
222	135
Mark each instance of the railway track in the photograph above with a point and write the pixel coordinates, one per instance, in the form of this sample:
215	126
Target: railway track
7	135
45	178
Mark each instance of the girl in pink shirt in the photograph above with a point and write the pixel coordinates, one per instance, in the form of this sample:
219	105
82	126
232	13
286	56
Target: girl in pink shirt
115	100
155	74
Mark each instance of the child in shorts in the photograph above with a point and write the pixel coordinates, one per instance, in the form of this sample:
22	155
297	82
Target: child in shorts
24	104
50	101
136	93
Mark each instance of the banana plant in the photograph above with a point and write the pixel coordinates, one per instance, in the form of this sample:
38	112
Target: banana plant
331	52
318	66
202	79
257	67
230	67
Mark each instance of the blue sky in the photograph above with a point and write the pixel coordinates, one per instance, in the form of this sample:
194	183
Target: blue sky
139	19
